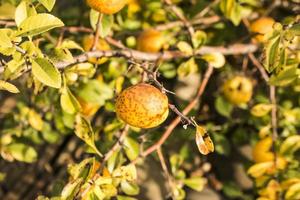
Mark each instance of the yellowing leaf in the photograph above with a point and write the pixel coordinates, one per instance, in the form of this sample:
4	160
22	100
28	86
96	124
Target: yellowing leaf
5	41
217	60
70	44
185	47
68	101
203	141
38	24
127	172
290	145
293	192
196	183
24	10
261	109
259	169
46	72
22	152
35	120
84	131
8	87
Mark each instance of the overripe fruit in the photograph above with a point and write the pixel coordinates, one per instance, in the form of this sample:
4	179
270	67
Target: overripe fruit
102	45
108	7
142	106
238	90
261	26
150	41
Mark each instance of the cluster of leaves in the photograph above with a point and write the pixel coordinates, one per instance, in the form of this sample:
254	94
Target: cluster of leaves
63	92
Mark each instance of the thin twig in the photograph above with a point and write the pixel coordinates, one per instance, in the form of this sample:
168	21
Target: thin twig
98	31
165	169
259	66
176	121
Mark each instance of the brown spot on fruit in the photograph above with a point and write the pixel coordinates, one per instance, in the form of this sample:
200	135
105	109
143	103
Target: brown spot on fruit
142	106
107	6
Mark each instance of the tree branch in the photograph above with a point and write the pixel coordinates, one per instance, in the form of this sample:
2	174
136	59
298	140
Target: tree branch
176	121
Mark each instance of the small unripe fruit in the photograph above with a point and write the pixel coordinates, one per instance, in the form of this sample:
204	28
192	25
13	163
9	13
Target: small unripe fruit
108	7
261	26
142	106
102	45
150	41
238	90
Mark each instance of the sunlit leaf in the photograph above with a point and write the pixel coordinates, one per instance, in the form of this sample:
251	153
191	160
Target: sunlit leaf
22	152
48	4
8	87
261	109
46	72
25	9
85	132
37	24
196	183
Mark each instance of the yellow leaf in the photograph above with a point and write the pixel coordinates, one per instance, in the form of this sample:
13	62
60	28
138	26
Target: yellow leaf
261	109
290	145
8	87
185	47
259	169
35	120
293	192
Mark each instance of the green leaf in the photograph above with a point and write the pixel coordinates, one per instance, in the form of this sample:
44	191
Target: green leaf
48	4
85	132
232	10
37	24
286	76
290	145
130	188
71	189
106	23
223	107
232	190
46	72
8	87
22	152
295	29
272	53
68	101
96	92
24	10
70	44
196	183
132	148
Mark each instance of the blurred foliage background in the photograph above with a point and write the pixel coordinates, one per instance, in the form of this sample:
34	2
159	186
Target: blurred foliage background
234	63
